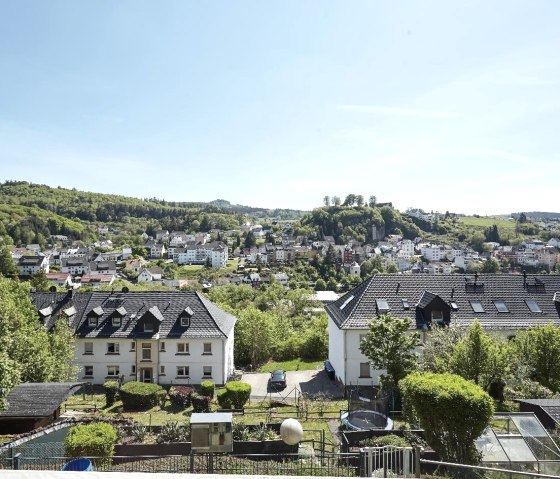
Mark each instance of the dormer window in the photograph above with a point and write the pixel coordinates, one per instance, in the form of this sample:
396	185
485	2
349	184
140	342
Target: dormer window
117	321
148	327
92	321
437	316
186	316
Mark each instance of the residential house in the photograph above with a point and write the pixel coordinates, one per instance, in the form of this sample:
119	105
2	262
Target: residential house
60	279
164	337
162	235
17	253
102	267
135	265
155	250
150	274
29	265
503	303
76	266
97	280
216	253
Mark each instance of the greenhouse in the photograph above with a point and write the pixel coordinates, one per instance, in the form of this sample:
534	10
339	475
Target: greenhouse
518	441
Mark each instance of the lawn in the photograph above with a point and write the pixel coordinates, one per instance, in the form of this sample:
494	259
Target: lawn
291	365
487	221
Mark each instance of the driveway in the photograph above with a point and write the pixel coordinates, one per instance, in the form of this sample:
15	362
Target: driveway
310	382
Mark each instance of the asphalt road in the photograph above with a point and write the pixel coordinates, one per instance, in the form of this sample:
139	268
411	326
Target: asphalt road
310	382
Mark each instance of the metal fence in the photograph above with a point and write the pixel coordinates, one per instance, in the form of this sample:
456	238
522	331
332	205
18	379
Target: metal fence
341	465
389	461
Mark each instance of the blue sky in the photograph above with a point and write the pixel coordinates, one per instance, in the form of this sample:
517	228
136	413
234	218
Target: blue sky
443	105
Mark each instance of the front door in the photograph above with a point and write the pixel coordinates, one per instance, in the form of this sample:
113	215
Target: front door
146	375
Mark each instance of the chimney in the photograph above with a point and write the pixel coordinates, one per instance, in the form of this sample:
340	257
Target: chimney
70	292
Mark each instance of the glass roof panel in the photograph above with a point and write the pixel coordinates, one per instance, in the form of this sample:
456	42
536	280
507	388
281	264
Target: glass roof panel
517	449
490	448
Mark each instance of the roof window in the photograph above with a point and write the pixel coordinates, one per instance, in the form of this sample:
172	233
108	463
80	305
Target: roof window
382	305
533	306
350	298
405	304
501	306
477	307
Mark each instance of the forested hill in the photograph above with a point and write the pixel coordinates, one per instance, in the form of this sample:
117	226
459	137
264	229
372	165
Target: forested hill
359	223
29	213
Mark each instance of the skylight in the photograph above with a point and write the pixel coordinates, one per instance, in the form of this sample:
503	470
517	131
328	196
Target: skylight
382	305
533	306
405	304
501	306
477	307
350	298
454	306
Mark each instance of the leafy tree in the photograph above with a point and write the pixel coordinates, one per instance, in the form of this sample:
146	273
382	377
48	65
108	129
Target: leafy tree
332	284
40	282
62	348
327	200
336	201
359	201
522	218
372	201
390	344
491	265
250	240
7	266
320	285
27	352
439	347
452	411
480	358
537	351
254	336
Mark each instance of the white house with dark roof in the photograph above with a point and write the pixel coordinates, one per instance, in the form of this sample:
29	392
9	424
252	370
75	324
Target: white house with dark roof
152	336
150	274
29	265
503	303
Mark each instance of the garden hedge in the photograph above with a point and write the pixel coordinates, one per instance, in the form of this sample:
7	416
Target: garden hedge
237	394
95	441
180	396
138	396
201	403
452	411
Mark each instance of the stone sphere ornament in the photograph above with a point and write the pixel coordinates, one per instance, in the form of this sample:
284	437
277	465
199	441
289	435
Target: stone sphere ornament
291	431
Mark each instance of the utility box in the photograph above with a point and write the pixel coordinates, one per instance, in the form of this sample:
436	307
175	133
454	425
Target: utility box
211	432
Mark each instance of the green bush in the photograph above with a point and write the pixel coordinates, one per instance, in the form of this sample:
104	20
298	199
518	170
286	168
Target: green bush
201	403
172	431
452	411
96	441
111	392
239	393
139	396
388	440
207	388
224	399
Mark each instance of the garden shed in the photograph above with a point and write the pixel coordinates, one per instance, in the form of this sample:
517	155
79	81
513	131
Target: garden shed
33	405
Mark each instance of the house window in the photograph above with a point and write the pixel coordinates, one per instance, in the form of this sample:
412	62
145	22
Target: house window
162	346
207	348
365	370
92	321
88	348
133	346
113	348
185	321
437	316
207	371
113	371
183	348
88	371
116	321
146	351
501	306
477	307
183	371
162	370
148	327
133	369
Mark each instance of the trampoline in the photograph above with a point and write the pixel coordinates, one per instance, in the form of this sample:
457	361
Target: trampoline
363	420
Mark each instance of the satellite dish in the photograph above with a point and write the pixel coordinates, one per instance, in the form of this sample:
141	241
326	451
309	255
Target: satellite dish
125	289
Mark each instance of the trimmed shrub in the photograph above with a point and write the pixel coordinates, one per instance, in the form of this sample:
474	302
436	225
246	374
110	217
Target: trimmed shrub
224	399
139	396
172	431
452	411
201	403
180	396
239	393
207	388
96	441
111	392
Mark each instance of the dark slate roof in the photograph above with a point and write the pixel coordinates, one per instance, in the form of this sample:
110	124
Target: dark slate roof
37	399
207	320
357	307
